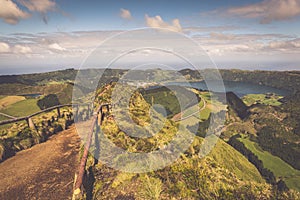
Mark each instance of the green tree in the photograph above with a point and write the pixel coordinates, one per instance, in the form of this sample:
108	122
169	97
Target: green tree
48	101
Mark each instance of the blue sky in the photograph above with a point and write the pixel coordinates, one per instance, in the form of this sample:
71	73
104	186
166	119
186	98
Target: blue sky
49	34
99	15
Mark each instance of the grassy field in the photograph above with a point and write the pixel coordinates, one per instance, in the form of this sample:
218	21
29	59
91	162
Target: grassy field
211	105
22	108
272	100
3	118
6	101
280	168
227	157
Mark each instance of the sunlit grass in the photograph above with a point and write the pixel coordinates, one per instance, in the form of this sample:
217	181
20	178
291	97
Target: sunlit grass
22	108
280	168
272	100
6	101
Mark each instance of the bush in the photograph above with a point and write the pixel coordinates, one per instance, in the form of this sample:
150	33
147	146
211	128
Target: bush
150	188
48	101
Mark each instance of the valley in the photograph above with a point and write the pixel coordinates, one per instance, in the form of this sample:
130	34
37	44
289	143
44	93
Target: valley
259	114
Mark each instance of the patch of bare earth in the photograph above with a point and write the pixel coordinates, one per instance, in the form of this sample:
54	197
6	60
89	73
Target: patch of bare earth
45	171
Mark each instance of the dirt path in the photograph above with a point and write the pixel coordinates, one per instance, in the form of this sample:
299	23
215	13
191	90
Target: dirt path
6	115
178	116
45	171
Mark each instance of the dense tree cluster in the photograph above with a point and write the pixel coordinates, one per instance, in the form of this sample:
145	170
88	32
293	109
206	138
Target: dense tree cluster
291	105
277	143
48	101
238	145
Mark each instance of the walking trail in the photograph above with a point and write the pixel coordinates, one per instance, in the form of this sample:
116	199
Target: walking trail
45	171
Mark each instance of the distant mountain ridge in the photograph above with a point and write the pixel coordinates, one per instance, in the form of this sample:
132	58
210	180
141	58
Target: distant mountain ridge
289	80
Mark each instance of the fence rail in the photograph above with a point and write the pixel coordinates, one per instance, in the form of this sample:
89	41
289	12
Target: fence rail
97	119
28	118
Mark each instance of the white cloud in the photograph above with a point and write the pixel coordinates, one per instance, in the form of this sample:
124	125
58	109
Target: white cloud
72	48
22	49
41	6
125	14
157	22
221	36
4	48
56	47
285	45
268	10
11	13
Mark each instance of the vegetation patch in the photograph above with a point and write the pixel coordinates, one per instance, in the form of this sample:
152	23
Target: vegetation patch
9	100
22	108
281	169
18	136
267	99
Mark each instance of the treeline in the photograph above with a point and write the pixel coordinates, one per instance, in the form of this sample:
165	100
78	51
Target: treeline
61	75
266	173
34	79
277	142
288	80
291	105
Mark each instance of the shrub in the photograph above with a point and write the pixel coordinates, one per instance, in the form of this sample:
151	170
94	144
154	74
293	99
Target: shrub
150	188
48	101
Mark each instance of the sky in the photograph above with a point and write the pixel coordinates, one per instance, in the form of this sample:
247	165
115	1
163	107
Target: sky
45	35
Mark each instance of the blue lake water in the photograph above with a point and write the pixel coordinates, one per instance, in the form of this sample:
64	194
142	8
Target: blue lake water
239	88
32	95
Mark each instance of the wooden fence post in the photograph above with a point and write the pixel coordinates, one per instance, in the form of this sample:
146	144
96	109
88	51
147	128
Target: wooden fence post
99	118
58	112
30	124
88	111
76	113
97	142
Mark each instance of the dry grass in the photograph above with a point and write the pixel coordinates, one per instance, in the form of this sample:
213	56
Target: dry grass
9	100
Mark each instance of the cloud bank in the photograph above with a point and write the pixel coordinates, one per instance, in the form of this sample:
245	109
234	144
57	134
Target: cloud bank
268	11
70	49
158	22
11	13
4	47
125	14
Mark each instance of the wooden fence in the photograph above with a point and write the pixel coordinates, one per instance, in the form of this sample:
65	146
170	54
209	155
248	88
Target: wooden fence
97	119
28	118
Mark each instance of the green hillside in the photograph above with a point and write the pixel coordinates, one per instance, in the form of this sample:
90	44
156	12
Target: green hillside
22	108
229	158
223	174
280	168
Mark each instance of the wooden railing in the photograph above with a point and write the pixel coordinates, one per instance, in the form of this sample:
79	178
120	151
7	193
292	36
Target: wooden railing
97	119
28	118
